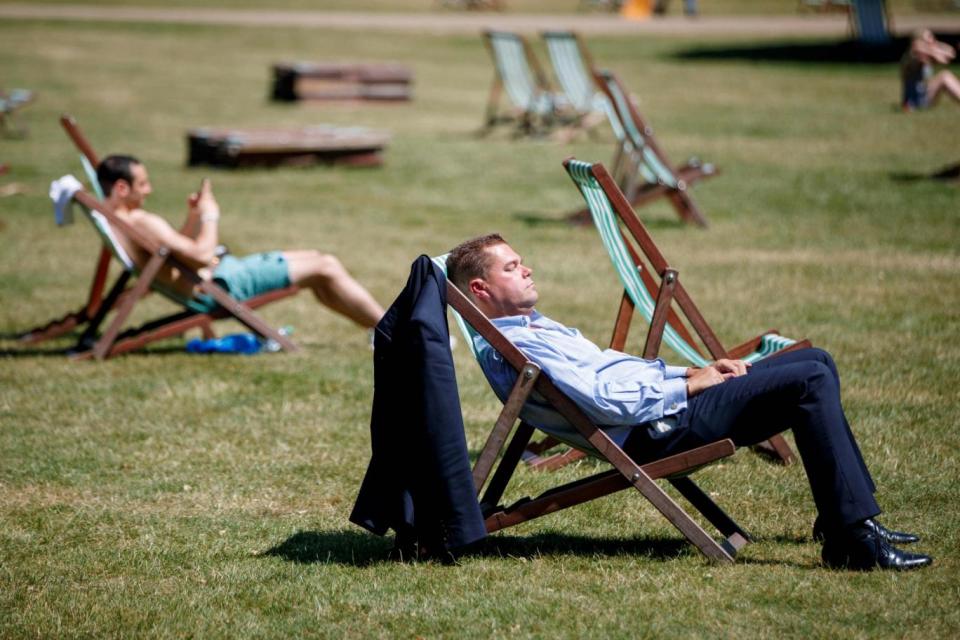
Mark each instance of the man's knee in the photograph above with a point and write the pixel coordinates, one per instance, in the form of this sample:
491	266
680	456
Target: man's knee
817	376
327	265
824	357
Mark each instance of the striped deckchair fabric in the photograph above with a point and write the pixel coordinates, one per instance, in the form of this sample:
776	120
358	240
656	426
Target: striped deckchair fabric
572	66
641	167
868	18
535	107
653	288
532	453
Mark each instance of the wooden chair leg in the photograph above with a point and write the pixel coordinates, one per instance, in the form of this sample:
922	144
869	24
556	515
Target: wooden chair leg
777	449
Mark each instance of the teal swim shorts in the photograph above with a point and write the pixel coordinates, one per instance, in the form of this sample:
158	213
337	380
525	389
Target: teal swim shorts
250	276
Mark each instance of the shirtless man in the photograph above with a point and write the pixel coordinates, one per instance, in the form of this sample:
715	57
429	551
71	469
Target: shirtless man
126	184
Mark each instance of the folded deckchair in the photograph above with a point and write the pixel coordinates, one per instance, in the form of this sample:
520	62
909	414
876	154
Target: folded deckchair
535	108
10	102
642	169
869	21
122	299
533	386
653	288
573	68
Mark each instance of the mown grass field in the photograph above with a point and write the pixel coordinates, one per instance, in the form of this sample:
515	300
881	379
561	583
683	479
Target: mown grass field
170	495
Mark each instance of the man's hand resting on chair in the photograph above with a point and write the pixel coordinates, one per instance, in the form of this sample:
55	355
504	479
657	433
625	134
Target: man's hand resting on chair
717	372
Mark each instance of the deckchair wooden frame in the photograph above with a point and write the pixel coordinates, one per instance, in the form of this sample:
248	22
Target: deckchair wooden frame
667	292
529	121
627	161
122	298
492	479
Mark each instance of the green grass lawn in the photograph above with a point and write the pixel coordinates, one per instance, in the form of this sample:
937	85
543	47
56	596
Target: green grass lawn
169	495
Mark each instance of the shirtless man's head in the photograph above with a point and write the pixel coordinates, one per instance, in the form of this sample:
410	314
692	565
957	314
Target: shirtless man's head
124	181
489	271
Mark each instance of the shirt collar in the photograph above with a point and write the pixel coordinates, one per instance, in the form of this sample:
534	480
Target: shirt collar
517	321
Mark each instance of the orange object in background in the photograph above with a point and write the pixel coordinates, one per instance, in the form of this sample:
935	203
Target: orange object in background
636	9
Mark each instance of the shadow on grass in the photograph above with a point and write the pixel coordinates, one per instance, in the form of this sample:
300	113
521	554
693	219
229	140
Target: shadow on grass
64	352
950	174
830	52
359	549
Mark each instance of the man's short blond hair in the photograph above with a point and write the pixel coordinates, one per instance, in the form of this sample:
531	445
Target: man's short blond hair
470	259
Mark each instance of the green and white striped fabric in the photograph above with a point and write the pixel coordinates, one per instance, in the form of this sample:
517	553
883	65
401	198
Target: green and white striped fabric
574	78
469	334
651	167
517	76
105	231
605	220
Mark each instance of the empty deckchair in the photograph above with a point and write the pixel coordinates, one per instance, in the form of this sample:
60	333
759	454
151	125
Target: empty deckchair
868	21
533	386
573	66
10	103
642	169
119	297
653	288
532	452
534	107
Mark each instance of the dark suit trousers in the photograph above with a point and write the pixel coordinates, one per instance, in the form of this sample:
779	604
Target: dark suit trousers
798	390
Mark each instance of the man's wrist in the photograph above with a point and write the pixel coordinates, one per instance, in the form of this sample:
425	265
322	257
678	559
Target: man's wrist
210	216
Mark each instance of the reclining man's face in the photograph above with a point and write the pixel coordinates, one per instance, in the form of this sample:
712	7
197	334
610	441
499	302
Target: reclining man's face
508	288
138	189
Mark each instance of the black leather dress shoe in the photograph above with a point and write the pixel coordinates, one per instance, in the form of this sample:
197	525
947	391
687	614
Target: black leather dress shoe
861	549
893	537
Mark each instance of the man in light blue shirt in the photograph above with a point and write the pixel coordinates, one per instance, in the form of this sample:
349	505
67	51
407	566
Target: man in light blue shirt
652	409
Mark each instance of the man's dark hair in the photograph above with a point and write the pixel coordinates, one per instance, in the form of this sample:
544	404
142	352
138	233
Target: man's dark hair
113	168
469	260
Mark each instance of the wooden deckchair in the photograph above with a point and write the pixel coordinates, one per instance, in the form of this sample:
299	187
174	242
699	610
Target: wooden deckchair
532	385
653	288
642	169
869	21
535	108
122	299
573	68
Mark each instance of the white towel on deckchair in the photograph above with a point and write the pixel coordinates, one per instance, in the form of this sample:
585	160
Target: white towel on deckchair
62	191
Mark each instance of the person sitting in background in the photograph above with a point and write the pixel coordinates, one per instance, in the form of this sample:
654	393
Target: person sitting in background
126	184
921	87
654	410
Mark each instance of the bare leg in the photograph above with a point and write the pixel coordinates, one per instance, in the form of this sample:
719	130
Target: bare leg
944	81
333	286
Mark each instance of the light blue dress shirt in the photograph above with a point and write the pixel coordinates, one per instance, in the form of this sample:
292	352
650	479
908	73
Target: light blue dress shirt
617	391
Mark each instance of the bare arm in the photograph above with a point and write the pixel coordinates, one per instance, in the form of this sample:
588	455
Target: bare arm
191	226
195	250
933	51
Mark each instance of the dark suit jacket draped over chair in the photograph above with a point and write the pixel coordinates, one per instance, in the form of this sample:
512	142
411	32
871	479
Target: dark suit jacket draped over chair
419	480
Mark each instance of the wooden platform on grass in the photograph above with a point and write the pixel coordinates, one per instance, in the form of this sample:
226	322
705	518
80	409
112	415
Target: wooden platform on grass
322	144
378	82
